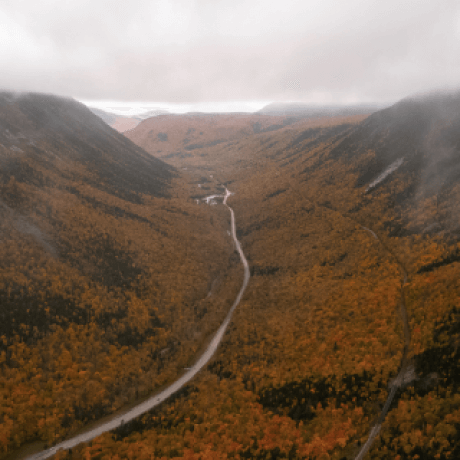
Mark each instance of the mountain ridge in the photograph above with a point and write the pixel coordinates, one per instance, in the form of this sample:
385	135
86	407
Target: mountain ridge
51	129
304	110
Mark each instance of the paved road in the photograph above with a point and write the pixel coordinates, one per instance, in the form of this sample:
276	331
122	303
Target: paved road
174	387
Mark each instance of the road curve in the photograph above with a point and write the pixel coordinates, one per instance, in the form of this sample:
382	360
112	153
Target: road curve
175	386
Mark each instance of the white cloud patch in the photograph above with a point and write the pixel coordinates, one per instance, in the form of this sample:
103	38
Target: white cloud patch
188	51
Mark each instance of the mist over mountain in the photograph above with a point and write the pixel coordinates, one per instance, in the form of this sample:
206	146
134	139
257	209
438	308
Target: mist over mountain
420	138
109	118
151	113
301	110
423	130
122	122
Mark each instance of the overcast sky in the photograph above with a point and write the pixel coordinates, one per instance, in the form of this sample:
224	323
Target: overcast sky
216	52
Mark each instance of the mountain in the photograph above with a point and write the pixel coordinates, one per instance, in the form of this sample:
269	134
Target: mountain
105	260
423	130
301	110
417	138
52	132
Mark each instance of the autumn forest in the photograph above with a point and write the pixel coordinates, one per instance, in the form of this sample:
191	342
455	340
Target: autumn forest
116	272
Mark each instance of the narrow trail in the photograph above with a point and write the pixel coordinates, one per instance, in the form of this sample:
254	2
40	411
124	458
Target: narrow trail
157	399
406	373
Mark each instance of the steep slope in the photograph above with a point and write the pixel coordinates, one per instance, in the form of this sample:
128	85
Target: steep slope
49	131
419	140
352	299
111	278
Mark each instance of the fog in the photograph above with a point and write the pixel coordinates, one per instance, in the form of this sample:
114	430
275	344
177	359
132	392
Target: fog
221	52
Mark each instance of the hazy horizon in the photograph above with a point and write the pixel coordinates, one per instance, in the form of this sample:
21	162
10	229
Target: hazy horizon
128	109
132	108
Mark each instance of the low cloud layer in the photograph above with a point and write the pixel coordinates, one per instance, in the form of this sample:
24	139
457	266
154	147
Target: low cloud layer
190	51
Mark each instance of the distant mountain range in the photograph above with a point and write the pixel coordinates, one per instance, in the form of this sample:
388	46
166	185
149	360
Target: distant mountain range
299	109
295	110
124	123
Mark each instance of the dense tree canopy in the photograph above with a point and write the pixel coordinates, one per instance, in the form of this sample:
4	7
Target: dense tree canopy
350	285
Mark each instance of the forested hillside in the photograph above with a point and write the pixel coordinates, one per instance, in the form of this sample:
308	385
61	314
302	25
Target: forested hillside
178	138
349	226
354	255
111	277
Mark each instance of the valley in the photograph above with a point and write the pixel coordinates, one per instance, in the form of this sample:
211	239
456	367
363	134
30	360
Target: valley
158	398
116	273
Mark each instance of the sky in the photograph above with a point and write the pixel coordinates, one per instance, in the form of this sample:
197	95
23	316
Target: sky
234	55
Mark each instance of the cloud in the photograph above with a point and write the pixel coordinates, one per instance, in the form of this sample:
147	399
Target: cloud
185	51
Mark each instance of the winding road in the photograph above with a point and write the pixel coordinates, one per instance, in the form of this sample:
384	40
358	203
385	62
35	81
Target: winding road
175	386
406	373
